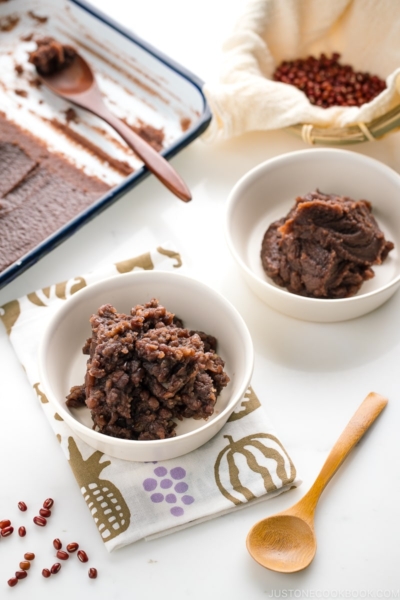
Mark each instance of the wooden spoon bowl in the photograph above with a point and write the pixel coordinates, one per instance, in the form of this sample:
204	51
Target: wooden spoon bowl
286	543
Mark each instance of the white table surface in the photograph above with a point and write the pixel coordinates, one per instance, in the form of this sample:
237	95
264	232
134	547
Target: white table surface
310	378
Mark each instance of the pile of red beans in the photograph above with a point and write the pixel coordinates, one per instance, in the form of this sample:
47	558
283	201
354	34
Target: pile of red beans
7	529
327	83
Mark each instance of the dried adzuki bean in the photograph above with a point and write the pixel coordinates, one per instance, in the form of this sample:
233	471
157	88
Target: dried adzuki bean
22	506
48	503
41	521
55	568
327	83
29	556
45	512
62	555
57	544
13	581
25	565
21	574
5	523
92	573
46	573
6	531
83	557
21	531
72	547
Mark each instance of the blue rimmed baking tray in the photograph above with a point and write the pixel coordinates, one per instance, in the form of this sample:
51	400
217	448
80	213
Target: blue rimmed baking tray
142	86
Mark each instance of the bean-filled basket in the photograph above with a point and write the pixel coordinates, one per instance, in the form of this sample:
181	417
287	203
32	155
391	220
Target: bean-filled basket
363	33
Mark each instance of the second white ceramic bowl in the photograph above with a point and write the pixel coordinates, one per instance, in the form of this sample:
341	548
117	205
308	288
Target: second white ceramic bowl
266	194
62	363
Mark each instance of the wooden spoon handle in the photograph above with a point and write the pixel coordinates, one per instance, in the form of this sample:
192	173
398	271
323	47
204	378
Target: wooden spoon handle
362	419
153	160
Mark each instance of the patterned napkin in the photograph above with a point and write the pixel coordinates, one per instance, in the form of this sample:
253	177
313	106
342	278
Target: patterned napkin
244	463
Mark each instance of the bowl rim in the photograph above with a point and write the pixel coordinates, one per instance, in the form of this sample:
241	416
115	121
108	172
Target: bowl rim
123	443
270	163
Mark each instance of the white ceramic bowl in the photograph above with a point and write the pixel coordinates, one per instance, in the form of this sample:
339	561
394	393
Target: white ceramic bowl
266	194
62	363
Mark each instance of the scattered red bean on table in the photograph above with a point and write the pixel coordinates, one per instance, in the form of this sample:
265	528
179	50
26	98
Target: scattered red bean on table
21	574
83	557
29	556
55	568
6	531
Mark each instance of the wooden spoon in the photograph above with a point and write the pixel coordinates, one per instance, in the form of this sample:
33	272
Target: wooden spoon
77	84
286	542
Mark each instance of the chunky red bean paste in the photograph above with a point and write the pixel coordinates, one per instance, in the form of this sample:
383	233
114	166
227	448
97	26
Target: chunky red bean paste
51	56
145	371
326	82
324	247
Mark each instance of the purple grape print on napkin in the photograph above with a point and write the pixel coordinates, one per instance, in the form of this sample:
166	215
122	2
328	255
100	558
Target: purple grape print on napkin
172	483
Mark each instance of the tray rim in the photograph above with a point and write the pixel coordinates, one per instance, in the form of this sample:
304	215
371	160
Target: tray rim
66	231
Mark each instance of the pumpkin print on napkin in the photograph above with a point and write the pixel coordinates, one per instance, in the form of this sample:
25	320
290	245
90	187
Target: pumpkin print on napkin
251	454
129	501
249	466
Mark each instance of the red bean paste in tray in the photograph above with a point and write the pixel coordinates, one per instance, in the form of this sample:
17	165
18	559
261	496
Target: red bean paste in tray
324	247
40	192
145	371
51	56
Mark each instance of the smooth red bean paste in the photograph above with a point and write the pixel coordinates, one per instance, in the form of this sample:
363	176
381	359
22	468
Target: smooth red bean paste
51	56
324	247
40	191
145	370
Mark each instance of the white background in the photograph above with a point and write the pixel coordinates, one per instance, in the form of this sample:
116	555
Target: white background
310	378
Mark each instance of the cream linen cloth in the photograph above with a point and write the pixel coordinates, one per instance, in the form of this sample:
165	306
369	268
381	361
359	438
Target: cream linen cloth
244	463
365	32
